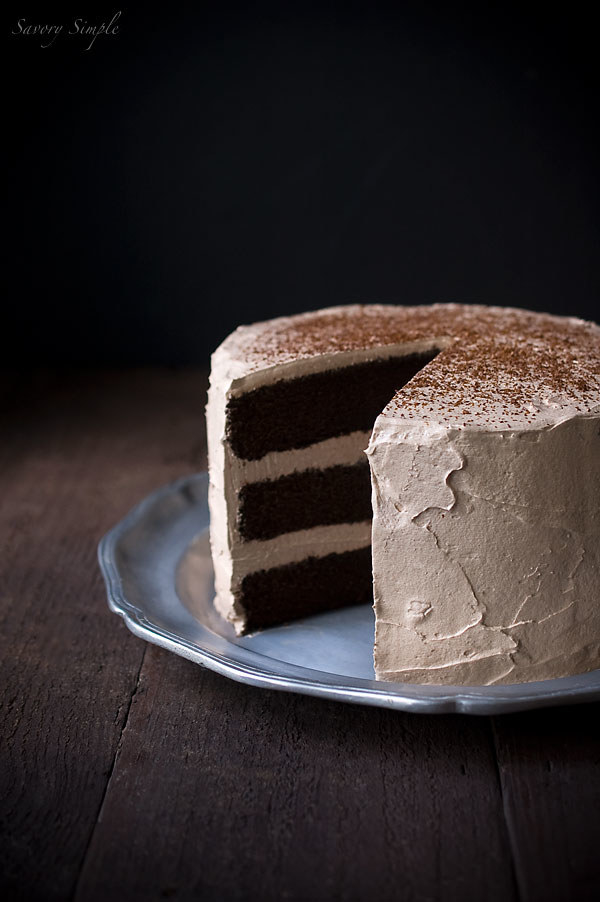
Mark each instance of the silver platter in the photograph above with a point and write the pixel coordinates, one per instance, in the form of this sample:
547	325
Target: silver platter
158	573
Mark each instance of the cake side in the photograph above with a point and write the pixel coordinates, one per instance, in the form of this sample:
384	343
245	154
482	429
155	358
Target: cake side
486	552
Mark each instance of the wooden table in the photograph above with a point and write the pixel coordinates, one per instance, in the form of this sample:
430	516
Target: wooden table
129	773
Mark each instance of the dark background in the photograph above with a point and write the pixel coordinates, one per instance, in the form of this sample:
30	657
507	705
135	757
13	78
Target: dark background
211	166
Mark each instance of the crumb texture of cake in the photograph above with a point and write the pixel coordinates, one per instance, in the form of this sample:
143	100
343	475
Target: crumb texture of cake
478	512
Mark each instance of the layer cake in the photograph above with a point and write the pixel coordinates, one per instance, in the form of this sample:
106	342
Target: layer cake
473	518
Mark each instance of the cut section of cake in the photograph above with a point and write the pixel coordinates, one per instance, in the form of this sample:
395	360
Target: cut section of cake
290	489
481	476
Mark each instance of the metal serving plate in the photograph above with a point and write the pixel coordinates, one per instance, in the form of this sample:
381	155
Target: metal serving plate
158	573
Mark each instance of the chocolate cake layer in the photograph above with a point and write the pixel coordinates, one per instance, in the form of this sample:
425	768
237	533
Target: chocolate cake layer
340	494
309	587
296	413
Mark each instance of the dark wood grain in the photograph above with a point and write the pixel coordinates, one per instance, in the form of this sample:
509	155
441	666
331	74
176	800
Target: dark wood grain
127	772
225	792
549	765
77	451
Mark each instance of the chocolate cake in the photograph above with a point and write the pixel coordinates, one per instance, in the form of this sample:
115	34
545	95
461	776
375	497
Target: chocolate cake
473	519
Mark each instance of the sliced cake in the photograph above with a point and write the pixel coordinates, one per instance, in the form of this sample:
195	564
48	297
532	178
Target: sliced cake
482	472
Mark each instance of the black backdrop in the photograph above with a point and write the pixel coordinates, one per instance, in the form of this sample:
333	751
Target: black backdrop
210	166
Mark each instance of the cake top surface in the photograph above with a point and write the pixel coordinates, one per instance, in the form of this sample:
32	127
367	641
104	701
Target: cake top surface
498	368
